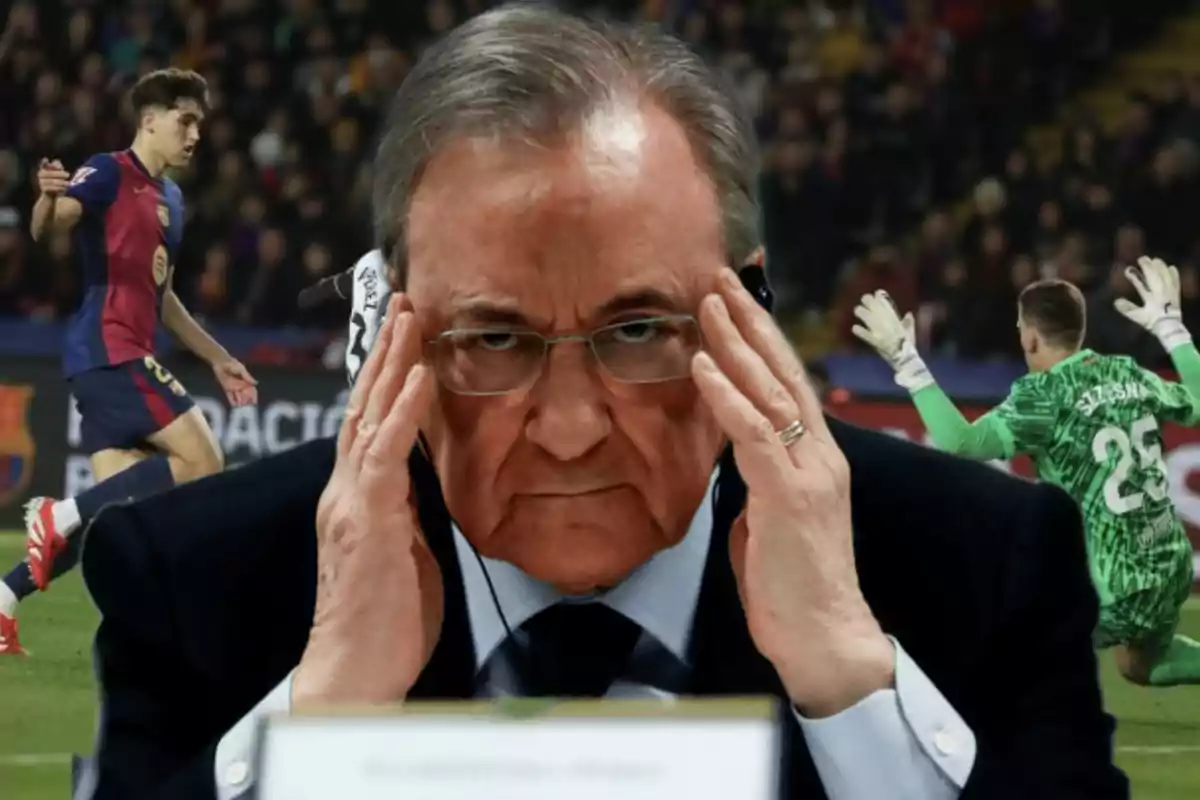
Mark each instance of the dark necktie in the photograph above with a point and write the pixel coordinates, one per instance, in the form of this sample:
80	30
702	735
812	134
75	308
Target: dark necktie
575	650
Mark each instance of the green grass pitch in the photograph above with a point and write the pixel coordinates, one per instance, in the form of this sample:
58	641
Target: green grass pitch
47	705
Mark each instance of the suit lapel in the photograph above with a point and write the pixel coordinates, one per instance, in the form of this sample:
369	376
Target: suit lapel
450	673
725	660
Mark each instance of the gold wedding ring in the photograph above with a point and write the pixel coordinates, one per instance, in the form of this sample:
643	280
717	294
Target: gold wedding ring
792	433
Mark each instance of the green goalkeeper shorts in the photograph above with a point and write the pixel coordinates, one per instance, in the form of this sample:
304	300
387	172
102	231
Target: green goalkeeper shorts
1149	616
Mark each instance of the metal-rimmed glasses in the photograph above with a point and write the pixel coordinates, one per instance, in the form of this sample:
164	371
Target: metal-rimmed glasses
495	361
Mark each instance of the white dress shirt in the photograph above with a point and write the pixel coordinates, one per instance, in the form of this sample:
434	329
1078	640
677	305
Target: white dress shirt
904	743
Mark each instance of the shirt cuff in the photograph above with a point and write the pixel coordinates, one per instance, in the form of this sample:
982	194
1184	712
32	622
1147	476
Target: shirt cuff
918	745
234	762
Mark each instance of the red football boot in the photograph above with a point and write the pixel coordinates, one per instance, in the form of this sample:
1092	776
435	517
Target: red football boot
10	645
42	539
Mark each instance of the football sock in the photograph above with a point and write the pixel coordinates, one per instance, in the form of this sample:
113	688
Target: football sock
68	558
66	516
18	584
1179	665
147	477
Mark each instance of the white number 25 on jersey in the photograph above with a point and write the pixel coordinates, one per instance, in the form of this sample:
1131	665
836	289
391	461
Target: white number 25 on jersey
1150	462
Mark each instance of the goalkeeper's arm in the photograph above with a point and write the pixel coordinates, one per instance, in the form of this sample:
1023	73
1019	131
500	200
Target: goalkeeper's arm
984	439
895	340
1186	360
1157	285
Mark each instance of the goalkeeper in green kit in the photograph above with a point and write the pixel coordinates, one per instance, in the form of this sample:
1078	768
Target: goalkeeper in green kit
1091	424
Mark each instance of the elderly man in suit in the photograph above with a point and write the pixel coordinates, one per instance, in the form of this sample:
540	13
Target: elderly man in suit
582	460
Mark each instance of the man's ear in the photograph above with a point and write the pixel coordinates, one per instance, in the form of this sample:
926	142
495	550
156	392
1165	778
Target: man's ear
754	277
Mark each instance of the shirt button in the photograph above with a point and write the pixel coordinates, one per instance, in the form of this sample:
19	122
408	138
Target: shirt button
237	773
943	740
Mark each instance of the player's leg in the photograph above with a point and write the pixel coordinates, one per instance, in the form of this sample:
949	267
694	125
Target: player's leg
123	408
107	463
1166	659
112	412
1176	658
1178	663
19	582
1153	654
1119	625
190	447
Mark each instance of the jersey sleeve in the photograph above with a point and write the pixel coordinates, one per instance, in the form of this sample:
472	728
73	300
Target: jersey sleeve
1025	420
1178	402
95	184
981	440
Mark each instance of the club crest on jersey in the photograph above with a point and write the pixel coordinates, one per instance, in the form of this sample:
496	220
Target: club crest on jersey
164	215
17	448
160	266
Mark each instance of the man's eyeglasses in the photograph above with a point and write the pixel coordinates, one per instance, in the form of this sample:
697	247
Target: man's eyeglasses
494	361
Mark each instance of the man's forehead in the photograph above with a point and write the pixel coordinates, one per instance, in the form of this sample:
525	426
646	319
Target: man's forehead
623	202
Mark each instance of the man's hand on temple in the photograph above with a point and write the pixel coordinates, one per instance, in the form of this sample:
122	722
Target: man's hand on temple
791	547
379	598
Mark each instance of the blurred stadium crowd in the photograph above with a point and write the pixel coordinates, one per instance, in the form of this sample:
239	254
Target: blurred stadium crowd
877	116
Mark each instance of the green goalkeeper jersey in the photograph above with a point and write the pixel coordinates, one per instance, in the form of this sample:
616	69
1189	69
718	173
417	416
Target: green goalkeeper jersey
1093	425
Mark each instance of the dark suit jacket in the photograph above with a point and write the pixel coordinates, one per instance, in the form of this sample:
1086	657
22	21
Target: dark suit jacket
207	595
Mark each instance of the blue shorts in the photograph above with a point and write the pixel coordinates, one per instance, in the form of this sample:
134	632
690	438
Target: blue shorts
121	405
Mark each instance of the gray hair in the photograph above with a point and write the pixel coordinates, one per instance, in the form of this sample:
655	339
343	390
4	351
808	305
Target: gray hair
534	73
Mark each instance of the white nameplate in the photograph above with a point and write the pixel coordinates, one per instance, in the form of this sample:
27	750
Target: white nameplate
585	750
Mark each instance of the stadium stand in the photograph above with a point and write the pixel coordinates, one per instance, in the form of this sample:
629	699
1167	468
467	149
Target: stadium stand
876	116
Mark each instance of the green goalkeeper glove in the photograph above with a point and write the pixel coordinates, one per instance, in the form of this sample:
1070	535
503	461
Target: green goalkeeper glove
1160	313
893	338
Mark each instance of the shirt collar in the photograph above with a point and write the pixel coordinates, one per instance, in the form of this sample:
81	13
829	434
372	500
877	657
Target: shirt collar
1078	355
660	595
137	162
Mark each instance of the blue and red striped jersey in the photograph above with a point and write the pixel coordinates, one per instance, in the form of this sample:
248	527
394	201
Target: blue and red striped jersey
125	242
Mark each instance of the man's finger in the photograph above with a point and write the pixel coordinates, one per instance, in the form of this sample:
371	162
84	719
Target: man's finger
397	434
744	366
387	386
761	457
766	339
366	379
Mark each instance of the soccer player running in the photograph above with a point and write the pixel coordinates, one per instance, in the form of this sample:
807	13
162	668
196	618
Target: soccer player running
1090	422
138	424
